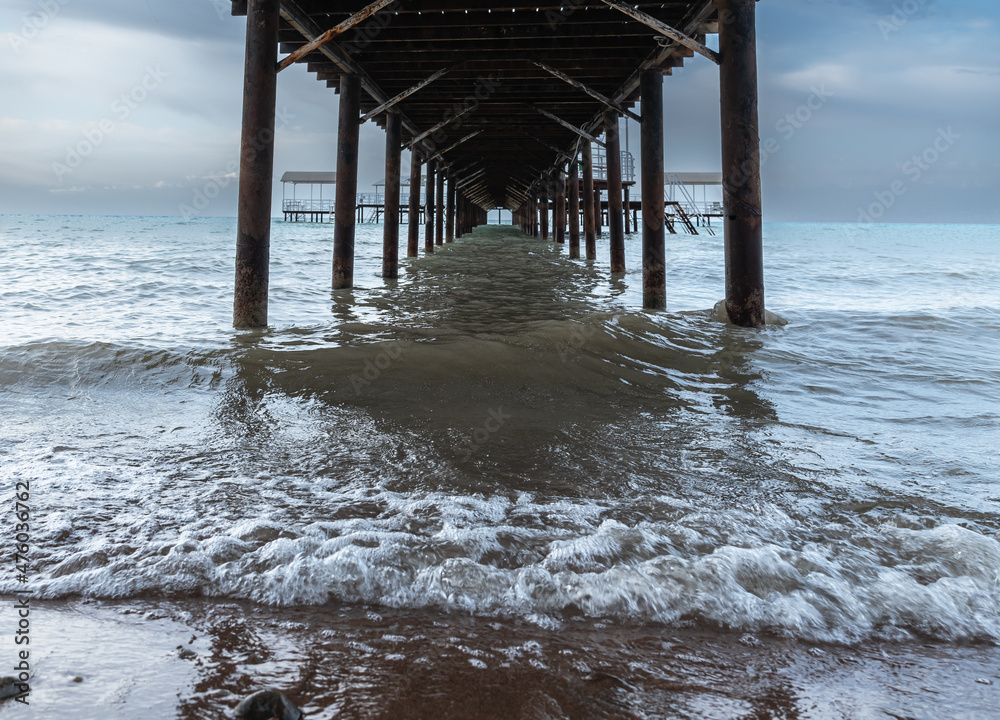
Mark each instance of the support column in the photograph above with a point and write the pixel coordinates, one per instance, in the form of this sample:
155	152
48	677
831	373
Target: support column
347	181
390	231
741	163
617	230
654	270
559	217
449	233
589	232
598	214
543	209
627	206
253	233
413	226
574	209
429	208
439	210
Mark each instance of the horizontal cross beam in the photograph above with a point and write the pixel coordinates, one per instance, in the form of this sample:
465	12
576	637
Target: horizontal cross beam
568	126
661	27
405	94
590	91
447	121
441	153
333	32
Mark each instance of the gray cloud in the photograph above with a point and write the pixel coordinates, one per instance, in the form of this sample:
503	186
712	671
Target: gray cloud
879	6
977	71
191	19
889	99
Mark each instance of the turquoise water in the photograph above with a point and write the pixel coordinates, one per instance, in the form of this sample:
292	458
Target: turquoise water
503	431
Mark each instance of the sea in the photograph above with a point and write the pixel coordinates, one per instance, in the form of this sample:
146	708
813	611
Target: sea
497	487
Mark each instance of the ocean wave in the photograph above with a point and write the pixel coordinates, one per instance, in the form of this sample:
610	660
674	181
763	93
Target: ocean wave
81	364
759	571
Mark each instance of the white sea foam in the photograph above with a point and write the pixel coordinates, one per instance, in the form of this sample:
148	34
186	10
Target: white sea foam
494	556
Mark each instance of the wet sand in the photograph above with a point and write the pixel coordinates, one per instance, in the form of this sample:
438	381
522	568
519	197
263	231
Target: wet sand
194	659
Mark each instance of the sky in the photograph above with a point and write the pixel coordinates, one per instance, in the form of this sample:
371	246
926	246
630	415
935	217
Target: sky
870	110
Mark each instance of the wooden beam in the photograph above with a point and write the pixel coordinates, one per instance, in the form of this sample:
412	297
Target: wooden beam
659	59
440	154
590	91
300	20
568	126
664	29
333	32
405	94
665	57
559	153
464	182
447	121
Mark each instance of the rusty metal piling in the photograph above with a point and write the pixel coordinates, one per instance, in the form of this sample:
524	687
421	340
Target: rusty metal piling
253	233
741	163
390	230
347	181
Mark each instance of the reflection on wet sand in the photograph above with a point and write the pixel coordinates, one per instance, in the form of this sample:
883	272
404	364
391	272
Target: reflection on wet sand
381	664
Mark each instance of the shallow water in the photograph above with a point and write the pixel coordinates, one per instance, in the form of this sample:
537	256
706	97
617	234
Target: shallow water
503	435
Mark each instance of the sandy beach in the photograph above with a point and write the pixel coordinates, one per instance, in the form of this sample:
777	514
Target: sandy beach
194	659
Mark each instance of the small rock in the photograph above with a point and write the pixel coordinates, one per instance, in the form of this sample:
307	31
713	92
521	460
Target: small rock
77	679
9	688
186	654
606	680
267	704
250	658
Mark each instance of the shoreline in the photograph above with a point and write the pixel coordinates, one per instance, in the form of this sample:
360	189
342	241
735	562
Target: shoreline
196	658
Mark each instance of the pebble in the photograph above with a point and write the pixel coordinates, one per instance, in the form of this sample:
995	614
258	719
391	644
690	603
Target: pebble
8	688
267	704
250	658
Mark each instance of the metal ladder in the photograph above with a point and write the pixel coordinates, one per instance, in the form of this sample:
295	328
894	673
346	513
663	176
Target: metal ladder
684	218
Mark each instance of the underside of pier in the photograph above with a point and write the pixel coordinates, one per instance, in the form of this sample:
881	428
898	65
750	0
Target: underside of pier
503	100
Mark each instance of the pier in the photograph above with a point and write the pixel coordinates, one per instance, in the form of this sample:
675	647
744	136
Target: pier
505	106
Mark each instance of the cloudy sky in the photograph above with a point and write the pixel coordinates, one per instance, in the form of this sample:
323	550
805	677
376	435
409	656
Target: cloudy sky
884	106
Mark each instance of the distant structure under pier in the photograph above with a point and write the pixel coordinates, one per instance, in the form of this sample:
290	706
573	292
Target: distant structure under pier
682	200
315	208
369	207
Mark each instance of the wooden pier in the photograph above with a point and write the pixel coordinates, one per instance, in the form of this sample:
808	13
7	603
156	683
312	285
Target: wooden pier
503	106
